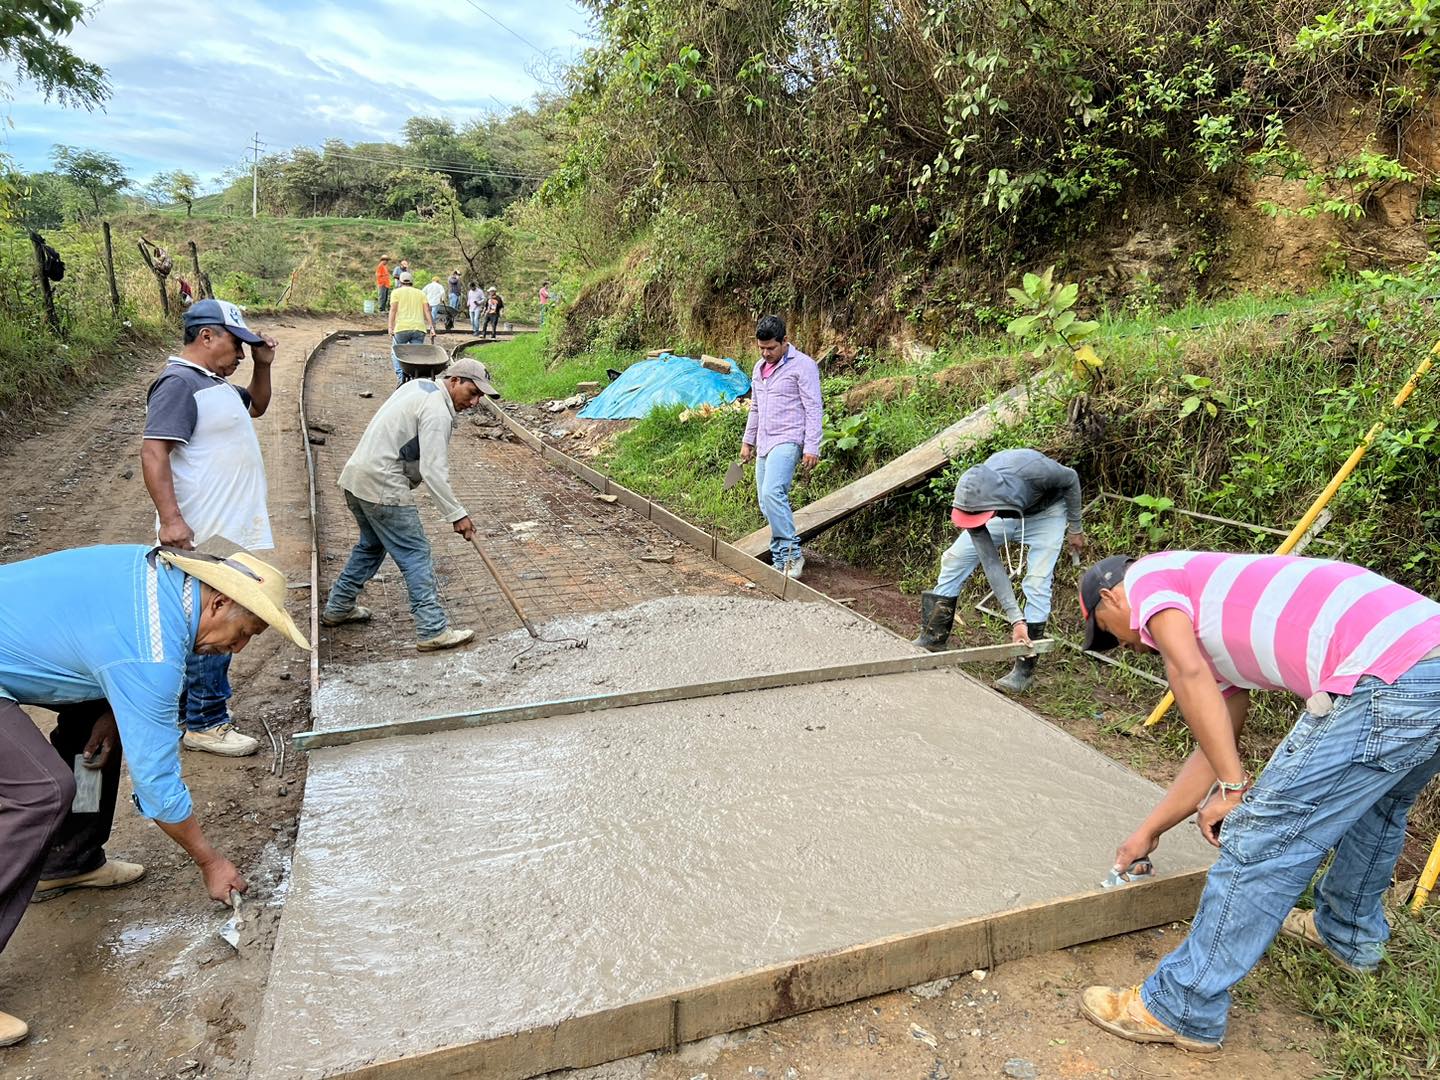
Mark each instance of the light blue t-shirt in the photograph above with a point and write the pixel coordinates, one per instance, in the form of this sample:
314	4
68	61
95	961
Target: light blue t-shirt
106	622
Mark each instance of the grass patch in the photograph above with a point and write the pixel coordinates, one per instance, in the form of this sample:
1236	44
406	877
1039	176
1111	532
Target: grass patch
522	371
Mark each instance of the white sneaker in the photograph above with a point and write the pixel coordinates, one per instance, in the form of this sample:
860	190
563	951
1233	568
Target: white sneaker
448	640
223	740
355	614
795	567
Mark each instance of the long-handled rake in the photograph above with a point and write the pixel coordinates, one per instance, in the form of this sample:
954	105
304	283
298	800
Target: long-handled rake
535	636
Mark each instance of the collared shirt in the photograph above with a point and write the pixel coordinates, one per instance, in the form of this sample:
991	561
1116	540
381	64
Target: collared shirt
382	275
106	622
434	293
413	425
475	299
785	405
1279	622
218	471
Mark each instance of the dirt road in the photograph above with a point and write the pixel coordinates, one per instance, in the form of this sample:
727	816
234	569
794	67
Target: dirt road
134	983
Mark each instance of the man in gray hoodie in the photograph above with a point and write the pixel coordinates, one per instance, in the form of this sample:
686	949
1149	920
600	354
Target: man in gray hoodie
1018	496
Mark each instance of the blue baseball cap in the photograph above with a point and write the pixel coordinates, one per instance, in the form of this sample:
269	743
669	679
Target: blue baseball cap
220	313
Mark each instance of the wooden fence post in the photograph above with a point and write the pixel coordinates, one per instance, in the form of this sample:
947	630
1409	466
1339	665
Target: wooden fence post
203	288
159	266
38	243
110	269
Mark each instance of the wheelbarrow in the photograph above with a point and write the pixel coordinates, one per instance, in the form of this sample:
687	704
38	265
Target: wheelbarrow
420	361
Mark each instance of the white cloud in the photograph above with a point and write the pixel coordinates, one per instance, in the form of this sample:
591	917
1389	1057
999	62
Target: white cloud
192	82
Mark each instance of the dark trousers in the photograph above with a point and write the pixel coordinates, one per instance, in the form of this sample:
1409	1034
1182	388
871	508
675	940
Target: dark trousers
384	297
39	835
492	323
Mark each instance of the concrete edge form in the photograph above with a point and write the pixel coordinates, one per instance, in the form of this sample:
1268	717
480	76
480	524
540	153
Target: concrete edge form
539	710
813	982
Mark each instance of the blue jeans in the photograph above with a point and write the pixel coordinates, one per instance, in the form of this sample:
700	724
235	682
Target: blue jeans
475	321
395	531
774	473
404	337
1344	781
455	300
1041	535
204	700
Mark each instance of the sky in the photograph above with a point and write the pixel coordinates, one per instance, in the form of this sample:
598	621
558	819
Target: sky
192	82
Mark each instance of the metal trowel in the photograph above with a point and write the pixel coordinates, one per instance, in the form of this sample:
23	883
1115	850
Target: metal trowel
733	474
230	932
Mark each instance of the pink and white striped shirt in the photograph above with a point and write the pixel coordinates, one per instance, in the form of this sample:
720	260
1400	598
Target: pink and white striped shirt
1278	622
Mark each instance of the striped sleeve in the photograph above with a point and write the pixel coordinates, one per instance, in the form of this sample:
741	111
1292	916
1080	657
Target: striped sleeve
1151	591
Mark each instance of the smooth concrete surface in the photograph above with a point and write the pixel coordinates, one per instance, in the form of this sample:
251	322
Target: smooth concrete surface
666	642
449	888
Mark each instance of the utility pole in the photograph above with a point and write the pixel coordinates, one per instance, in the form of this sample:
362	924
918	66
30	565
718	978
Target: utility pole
255	176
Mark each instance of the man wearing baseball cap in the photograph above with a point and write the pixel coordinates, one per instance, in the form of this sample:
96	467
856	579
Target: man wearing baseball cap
410	318
101	636
1363	653
1018	496
202	466
406	443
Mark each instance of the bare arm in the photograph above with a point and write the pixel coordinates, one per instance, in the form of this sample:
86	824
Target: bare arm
259	388
160	483
219	873
1200	700
390	326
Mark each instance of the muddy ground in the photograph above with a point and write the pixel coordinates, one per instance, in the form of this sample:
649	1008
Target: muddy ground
134	983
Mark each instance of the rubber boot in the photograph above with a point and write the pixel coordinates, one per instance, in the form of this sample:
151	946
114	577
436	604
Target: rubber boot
937	619
1018	679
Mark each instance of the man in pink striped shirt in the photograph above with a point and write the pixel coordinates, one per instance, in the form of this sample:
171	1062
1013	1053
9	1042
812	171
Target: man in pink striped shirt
1364	654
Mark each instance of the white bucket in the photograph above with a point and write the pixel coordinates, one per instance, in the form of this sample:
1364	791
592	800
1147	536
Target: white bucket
369	307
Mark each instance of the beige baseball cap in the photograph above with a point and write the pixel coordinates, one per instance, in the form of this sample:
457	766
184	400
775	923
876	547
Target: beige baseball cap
466	368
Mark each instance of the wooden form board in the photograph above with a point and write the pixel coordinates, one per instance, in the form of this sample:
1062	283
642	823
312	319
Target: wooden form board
814	982
508	714
904	471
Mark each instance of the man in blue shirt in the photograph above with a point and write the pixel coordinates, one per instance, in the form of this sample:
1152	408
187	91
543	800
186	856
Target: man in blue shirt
101	636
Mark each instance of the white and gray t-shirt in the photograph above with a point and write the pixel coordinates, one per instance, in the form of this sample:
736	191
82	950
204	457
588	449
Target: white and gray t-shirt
219	473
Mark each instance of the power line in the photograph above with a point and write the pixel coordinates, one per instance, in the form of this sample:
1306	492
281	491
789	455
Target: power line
512	33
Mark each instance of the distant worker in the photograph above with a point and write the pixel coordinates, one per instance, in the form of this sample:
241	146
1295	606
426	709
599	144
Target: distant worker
406	443
201	461
783	429
382	282
1363	653
494	305
475	301
410	319
454	284
544	301
187	295
100	635
1018	496
435	297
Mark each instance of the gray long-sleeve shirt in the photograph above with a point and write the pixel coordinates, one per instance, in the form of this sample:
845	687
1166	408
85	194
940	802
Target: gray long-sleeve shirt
415	424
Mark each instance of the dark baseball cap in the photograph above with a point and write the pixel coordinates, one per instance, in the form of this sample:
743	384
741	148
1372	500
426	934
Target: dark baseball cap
220	313
1105	574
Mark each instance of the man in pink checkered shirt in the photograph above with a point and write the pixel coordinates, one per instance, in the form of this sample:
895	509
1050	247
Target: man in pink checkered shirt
783	432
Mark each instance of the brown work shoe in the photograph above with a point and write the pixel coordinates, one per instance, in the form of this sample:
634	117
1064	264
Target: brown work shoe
12	1029
1120	1011
108	876
1300	926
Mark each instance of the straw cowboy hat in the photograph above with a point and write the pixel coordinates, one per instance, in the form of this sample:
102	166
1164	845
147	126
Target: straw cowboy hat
256	586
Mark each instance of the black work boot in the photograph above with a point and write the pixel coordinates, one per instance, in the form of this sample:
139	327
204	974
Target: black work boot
1018	679
937	619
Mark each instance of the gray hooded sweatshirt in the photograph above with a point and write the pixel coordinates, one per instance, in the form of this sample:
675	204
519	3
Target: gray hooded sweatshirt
1014	483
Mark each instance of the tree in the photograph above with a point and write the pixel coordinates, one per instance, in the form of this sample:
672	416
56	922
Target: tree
98	174
29	38
180	186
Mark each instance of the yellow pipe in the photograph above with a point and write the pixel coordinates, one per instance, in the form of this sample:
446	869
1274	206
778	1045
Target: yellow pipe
1288	544
1427	879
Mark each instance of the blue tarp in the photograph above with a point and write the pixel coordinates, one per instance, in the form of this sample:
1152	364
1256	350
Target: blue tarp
666	380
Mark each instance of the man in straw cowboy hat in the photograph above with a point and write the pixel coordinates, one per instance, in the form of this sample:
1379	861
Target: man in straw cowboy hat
101	635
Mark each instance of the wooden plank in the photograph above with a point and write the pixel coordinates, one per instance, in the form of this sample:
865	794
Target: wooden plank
813	982
904	471
539	710
626	497
681	529
764	575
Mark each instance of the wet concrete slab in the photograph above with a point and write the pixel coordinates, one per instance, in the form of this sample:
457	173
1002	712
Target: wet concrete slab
452	888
